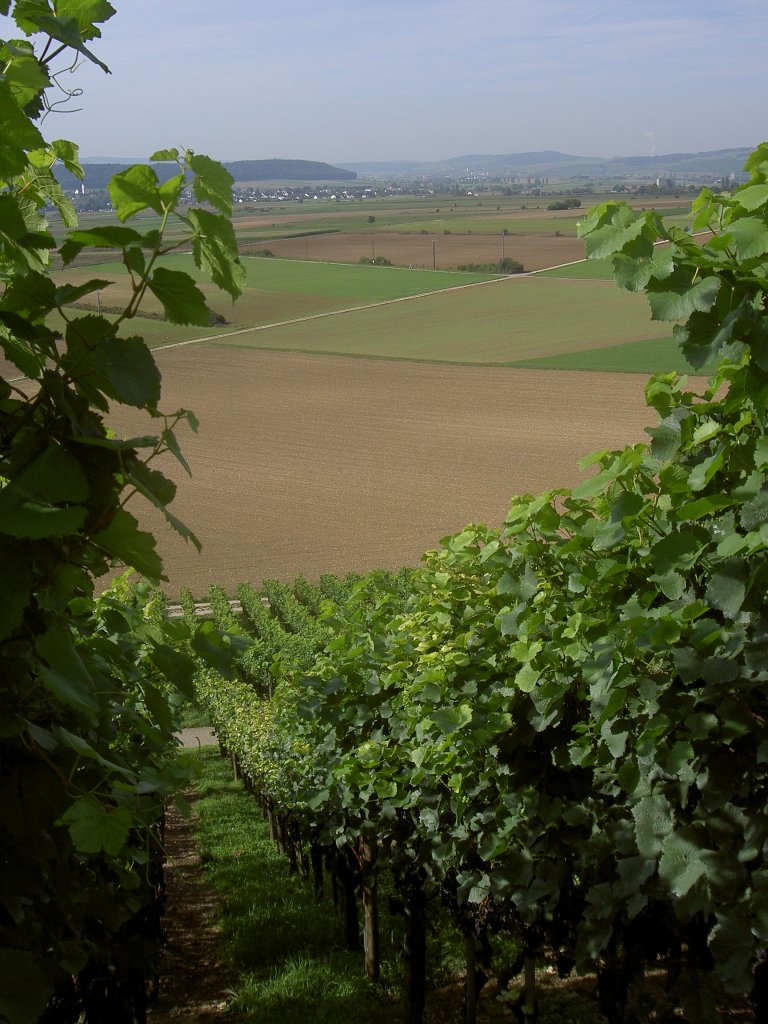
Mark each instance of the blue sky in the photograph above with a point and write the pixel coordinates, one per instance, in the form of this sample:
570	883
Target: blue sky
355	80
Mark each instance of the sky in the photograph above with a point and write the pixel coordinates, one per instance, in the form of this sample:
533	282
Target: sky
347	81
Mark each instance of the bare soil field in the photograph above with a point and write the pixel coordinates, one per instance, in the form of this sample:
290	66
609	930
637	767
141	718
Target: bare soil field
308	464
535	252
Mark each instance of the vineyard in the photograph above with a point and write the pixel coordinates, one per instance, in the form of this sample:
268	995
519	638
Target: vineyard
555	731
558	729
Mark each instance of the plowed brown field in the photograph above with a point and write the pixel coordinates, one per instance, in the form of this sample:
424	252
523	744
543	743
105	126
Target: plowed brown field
535	252
310	464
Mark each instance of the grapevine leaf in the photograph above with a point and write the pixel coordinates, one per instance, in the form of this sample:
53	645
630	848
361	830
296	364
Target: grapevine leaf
214	248
18	133
703	472
122	368
17	351
153	484
665	438
680	865
213	182
176	665
527	678
750	235
678	552
752	197
653	821
69	690
170	190
182	529
218	650
67	153
755	512
702	507
94	828
677	297
134	190
123	540
66	29
635	273
69	293
734	944
182	300
30	503
110	236
727	587
165	156
448	720
25	75
671	584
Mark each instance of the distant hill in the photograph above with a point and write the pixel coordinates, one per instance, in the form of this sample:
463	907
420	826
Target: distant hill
718	163
98	174
287	170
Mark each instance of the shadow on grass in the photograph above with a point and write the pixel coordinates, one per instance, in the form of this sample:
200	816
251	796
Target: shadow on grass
286	947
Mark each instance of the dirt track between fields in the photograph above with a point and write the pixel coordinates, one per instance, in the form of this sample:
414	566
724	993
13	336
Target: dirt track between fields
308	464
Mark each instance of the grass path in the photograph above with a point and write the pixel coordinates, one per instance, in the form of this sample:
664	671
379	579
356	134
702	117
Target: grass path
282	948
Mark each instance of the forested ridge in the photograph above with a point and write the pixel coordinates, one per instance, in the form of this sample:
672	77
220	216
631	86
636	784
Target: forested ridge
98	175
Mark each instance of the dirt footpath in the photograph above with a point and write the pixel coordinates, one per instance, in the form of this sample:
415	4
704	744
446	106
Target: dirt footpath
201	737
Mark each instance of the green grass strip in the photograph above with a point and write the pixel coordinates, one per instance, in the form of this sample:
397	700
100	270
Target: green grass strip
584	270
288	950
656	355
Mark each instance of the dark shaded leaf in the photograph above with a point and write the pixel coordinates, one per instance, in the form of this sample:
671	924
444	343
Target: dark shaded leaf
182	300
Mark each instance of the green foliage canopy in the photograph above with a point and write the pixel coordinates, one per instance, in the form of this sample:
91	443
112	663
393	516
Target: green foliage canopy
566	725
88	686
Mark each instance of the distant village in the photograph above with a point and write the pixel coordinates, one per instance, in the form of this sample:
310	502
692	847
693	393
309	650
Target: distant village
471	184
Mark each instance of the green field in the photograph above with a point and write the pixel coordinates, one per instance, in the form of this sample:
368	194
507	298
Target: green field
359	283
571	318
584	270
282	290
503	323
655	355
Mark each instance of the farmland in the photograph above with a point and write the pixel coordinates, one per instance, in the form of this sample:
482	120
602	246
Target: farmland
438	251
308	465
383	312
351	414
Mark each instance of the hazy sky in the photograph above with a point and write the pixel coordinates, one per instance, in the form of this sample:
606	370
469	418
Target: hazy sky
356	80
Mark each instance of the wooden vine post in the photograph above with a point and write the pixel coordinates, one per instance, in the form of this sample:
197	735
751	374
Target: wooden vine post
368	859
347	884
470	1013
415	948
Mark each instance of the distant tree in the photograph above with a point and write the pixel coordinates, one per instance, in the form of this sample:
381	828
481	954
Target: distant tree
565	204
